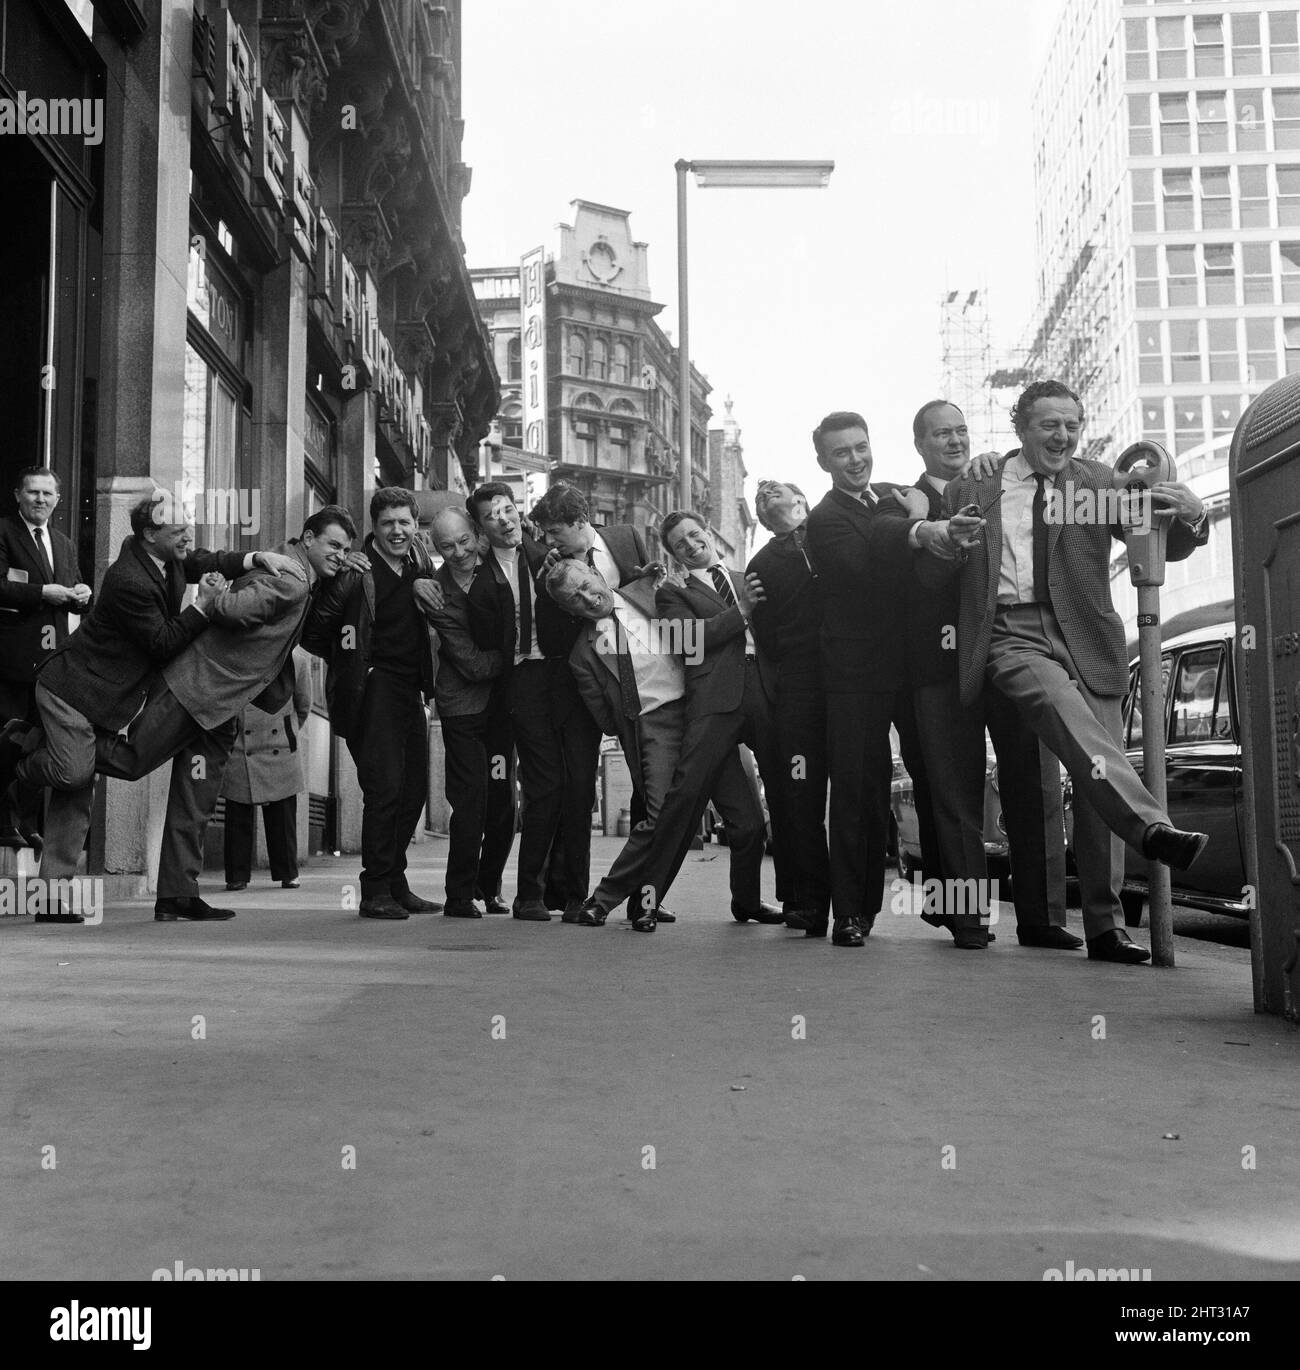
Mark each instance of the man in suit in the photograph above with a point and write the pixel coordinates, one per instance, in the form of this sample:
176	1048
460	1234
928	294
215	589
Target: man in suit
40	585
861	544
617	551
787	628
100	677
480	761
382	655
1036	623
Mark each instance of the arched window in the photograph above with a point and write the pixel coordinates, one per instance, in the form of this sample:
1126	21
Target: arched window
623	407
599	362
512	424
577	354
587	401
621	370
514	360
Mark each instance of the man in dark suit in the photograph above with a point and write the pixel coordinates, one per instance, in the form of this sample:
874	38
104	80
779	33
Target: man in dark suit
480	762
787	627
40	585
1036	622
861	544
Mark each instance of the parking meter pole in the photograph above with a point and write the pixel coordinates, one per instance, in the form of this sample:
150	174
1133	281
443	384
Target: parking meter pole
1153	768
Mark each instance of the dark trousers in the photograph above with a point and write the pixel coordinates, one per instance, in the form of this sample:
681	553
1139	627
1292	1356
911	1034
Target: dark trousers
919	767
799	821
392	756
480	761
568	867
280	819
18	700
861	772
541	771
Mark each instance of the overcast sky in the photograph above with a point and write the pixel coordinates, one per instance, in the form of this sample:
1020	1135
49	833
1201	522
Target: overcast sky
802	301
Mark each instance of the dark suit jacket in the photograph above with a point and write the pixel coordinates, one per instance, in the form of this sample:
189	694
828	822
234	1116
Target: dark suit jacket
30	629
715	683
931	619
1078	572
466	672
136	626
864	562
595	671
787	624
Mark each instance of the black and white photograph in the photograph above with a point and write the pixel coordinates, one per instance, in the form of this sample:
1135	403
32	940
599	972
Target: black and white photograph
562	568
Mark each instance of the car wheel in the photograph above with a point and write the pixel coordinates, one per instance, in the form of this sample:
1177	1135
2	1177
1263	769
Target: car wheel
1132	903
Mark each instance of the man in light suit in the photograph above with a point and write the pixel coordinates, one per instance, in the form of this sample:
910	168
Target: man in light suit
1036	623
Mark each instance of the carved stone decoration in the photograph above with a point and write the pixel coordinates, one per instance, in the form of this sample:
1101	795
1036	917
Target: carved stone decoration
415	346
388	150
292	65
366	237
336	27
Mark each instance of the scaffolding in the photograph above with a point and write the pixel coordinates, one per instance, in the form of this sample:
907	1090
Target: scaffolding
968	360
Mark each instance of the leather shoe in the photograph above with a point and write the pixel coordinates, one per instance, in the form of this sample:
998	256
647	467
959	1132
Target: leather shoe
460	908
495	905
13	737
412	903
1116	945
1176	848
382	906
1052	937
61	916
235	885
847	933
587	914
944	920
663	915
294	884
765	913
970	939
14	798
191	908
818	928
797	919
531	911
645	922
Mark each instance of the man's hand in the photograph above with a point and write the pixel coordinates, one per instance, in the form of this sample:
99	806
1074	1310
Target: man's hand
81	593
986	464
657	569
751	594
934	537
58	594
552	558
211	585
356	561
276	562
914	502
1172	498
428	595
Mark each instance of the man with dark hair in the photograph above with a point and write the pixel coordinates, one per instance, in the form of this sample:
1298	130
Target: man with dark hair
1036	623
475	722
40	585
373	629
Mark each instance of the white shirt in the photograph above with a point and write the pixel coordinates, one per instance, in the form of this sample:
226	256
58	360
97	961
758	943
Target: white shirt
659	673
1016	576
507	559
705	577
604	562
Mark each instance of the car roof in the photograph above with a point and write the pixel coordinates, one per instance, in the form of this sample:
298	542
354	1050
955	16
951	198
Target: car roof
1213	632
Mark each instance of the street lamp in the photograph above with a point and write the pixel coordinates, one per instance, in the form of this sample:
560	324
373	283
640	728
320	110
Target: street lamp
751	175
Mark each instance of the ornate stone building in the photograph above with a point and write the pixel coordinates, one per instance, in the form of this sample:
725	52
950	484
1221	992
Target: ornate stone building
727	508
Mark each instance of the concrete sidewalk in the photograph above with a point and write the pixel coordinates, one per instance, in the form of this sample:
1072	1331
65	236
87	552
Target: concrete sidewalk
547	1101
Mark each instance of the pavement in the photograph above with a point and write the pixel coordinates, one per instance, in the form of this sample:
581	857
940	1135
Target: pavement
315	1096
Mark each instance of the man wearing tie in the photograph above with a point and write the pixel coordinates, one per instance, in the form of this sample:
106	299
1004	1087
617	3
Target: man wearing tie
40	585
1036	623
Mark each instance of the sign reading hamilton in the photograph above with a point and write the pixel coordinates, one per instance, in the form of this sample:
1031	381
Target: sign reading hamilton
532	353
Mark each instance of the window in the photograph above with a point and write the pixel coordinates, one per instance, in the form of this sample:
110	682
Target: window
620	437
1290	255
1184	350
1221	335
1144	202
1189	427
1220	282
1212	121
1261	351
1216	197
1248	119
1291	341
1207	43
1246	57
1181	270
1154	426
1283	50
514	360
1171	48
1178	199
1225	410
1137	51
1147	273
584	442
621	369
1135	706
1140	142
209	450
598	361
1252	202
1288	195
1175	127
1151	367
1286	118
1257	273
1196	696
577	354
512	424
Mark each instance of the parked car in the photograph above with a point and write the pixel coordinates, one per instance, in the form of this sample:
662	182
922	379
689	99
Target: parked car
1202	771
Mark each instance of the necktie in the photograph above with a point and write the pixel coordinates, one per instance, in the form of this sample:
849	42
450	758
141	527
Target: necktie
722	583
525	644
627	676
591	557
46	568
1041	591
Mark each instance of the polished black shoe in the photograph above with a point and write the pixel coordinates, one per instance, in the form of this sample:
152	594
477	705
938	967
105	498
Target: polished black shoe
1177	849
461	908
235	885
1116	945
495	905
531	911
1054	938
970	939
797	919
818	928
663	915
13	746
15	796
765	913
412	903
572	908
587	914
645	922
61	916
847	933
192	909
382	906
294	884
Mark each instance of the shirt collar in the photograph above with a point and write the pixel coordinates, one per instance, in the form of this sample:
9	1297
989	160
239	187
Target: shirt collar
936	483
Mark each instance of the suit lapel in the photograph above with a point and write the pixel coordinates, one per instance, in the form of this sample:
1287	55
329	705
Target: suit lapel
933	497
993	538
1054	526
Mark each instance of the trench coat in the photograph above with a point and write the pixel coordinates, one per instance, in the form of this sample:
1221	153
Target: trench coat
266	762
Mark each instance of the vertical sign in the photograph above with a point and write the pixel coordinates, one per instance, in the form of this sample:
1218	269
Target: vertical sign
532	350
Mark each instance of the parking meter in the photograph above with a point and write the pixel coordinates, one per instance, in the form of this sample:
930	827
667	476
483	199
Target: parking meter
1140	467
